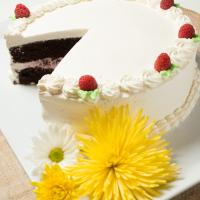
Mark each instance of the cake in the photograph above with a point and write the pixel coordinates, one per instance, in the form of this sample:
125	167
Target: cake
120	53
127	52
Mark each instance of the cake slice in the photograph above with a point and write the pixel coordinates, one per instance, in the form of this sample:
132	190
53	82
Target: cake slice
133	56
38	43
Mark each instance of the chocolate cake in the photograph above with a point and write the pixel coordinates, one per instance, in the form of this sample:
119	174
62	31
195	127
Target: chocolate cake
44	55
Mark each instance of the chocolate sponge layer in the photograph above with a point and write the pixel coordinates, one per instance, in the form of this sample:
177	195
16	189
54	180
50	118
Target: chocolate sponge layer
43	49
32	75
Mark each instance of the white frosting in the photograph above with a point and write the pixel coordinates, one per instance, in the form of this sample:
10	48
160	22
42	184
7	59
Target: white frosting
47	63
116	48
109	90
54	87
129	84
182	52
70	88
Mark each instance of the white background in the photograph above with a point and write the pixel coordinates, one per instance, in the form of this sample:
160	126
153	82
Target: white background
7	6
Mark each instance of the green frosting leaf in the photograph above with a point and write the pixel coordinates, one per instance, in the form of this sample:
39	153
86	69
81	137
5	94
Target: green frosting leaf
82	94
165	73
196	39
94	94
13	18
88	94
169	72
177	5
173	67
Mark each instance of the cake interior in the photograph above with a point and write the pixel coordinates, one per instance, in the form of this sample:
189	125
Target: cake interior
39	58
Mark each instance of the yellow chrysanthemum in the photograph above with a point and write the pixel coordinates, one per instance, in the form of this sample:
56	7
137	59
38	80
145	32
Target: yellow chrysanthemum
122	158
56	185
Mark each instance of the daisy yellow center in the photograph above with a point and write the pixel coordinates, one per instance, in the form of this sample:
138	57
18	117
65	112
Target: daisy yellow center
56	155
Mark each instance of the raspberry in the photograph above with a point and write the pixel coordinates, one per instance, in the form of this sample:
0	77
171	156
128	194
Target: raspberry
186	31
21	11
87	83
166	4
163	62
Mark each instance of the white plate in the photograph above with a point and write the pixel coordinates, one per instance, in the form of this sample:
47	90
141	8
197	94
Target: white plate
20	120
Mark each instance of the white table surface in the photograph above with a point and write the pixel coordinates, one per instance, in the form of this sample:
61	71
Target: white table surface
7	6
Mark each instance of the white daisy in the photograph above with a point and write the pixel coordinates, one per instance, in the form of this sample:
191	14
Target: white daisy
56	144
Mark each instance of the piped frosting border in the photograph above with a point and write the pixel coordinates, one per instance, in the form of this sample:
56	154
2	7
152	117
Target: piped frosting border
172	120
